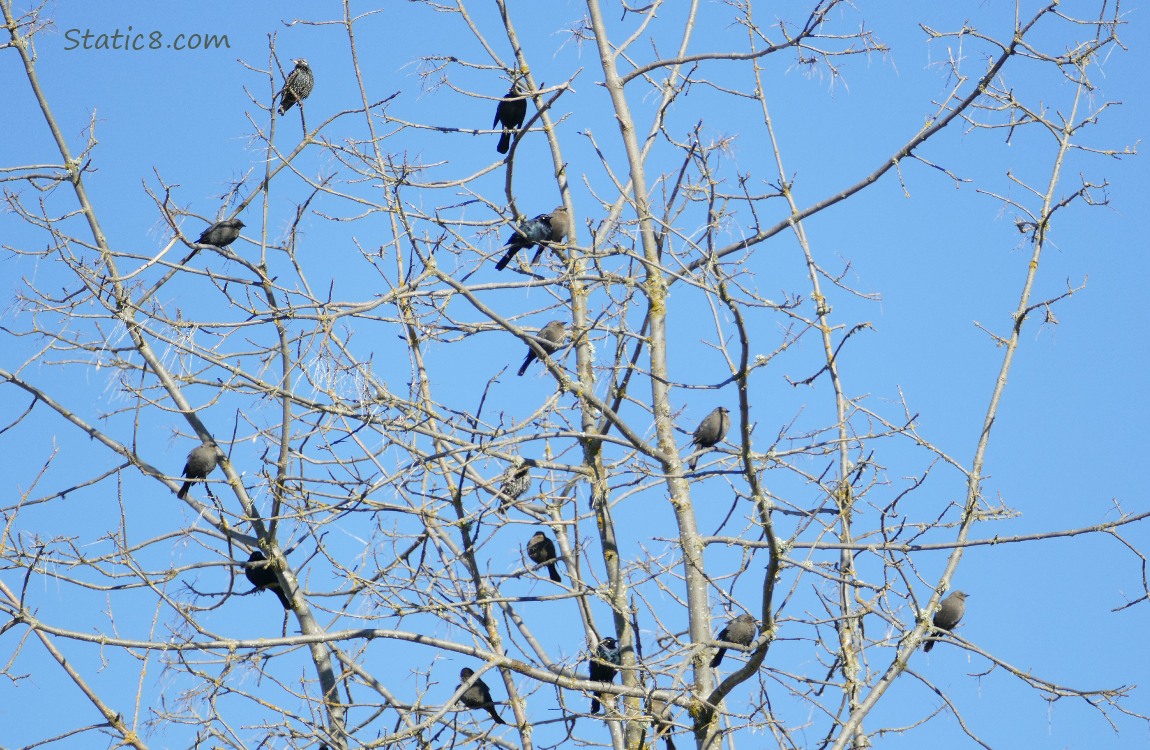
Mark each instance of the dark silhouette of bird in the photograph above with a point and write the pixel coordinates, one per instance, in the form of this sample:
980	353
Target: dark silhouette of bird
542	550
560	230
661	721
262	575
202	461
478	695
709	433
552	227
222	233
297	87
549	339
603	663
740	630
510	113
516	481
950	611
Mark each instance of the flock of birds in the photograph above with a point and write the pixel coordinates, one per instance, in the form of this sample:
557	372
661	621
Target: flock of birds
540	231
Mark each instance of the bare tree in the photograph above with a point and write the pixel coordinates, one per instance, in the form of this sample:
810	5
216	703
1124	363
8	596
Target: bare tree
377	449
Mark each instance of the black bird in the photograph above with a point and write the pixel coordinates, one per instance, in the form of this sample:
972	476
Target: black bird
661	721
478	695
603	663
552	227
510	113
950	611
259	571
516	481
710	432
222	233
740	630
202	461
560	230
549	339
542	550
297	87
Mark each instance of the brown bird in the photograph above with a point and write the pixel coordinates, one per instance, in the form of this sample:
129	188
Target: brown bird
710	433
552	227
259	571
478	695
202	461
661	721
297	87
740	630
549	339
950	611
542	550
510	113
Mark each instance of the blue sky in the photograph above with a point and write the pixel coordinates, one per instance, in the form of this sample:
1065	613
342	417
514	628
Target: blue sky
944	258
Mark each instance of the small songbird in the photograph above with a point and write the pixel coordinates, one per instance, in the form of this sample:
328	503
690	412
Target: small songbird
661	721
740	630
950	611
550	338
297	87
222	233
202	461
478	695
515	481
603	663
542	550
553	227
510	113
258	570
709	433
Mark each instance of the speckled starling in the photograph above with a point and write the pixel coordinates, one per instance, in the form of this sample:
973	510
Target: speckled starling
297	87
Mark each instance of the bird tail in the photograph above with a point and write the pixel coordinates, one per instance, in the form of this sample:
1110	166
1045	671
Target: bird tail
554	573
718	657
594	705
183	493
504	142
538	254
494	715
929	645
283	597
506	259
526	361
693	461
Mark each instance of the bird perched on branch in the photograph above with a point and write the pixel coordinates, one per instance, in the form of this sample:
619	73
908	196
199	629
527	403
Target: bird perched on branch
740	630
603	666
478	695
553	227
709	433
297	87
516	481
661	721
950	611
549	339
542	550
510	113
262	575
202	461
222	233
